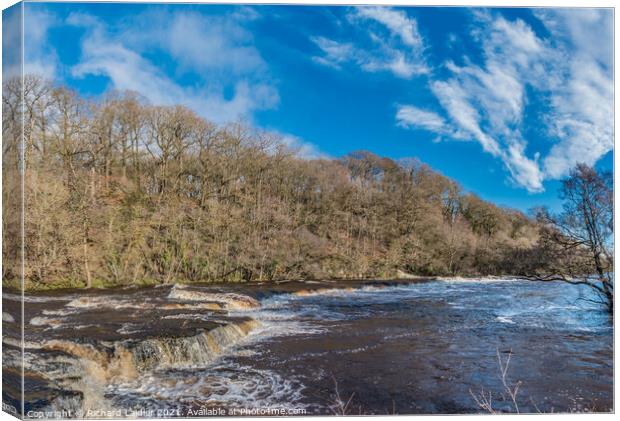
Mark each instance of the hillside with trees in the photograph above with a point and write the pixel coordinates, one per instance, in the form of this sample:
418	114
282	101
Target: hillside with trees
122	192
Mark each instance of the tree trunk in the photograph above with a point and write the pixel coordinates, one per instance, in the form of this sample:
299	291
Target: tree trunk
89	281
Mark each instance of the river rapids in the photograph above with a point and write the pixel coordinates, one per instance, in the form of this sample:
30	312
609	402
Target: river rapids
328	347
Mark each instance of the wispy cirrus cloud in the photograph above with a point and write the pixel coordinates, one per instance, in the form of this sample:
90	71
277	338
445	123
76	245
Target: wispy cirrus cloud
487	102
334	53
410	117
397	22
394	43
581	117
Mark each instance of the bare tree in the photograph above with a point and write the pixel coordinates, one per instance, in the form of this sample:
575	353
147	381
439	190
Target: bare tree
576	246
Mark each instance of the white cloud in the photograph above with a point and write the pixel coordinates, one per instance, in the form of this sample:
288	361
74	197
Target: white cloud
394	61
11	40
397	22
198	42
570	73
301	148
408	115
39	57
334	52
212	50
488	101
582	113
524	171
454	100
395	44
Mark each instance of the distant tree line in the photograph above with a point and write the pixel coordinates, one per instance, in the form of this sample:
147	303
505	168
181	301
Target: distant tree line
121	192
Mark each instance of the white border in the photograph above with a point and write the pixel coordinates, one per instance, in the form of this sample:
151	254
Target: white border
486	3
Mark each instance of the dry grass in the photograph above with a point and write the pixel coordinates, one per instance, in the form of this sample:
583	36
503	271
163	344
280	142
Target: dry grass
484	398
338	405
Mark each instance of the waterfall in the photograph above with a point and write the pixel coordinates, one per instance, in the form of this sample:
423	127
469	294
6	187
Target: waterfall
124	361
195	350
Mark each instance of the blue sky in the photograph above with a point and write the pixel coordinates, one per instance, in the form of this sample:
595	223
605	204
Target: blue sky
505	101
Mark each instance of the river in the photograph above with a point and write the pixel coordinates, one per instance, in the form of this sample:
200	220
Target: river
355	347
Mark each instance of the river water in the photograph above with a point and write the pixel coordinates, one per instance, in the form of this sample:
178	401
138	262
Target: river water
314	348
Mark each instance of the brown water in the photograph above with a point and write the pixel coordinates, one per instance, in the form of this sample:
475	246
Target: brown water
310	347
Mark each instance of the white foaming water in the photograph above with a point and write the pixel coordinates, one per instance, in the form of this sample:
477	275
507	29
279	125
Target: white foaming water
223	380
6	317
87	302
46	321
307	312
66	311
18	344
208	317
297	314
276	323
483	279
222	383
130	328
557	307
35	298
228	300
220	380
503	319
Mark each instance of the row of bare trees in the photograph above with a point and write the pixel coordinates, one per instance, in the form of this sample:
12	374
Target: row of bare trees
118	191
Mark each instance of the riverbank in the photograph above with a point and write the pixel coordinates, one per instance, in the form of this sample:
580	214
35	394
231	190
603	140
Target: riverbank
14	286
